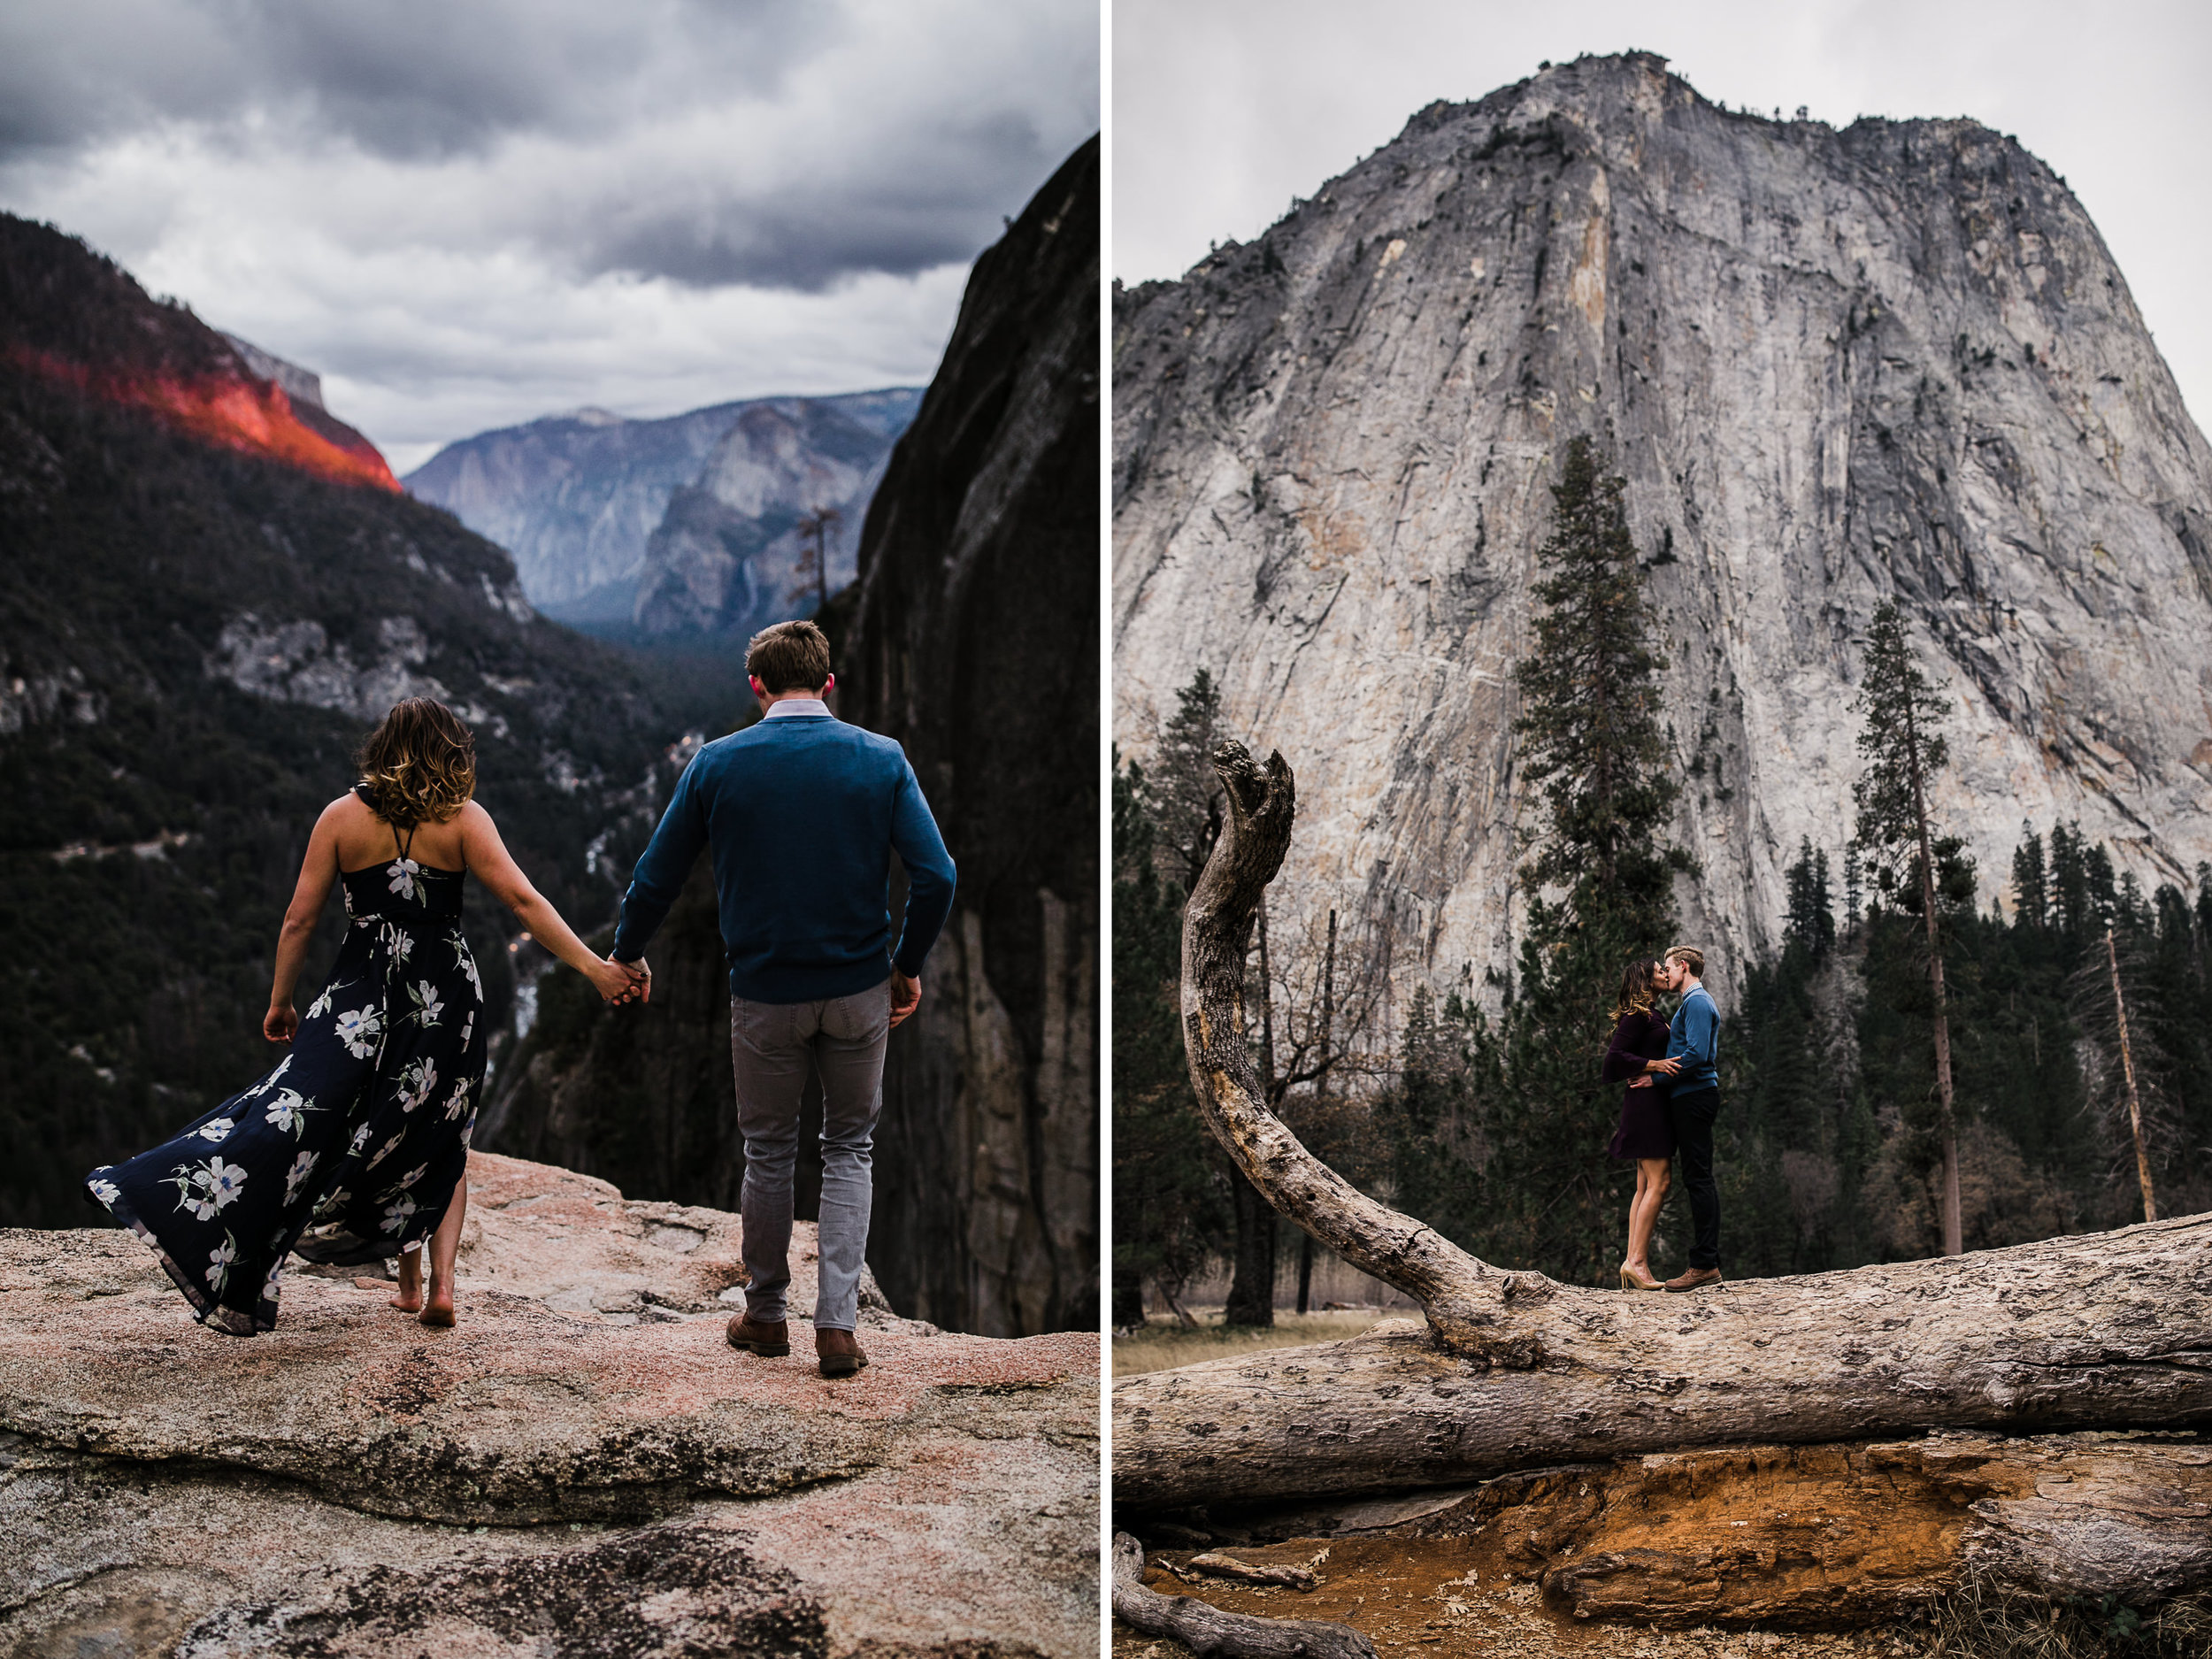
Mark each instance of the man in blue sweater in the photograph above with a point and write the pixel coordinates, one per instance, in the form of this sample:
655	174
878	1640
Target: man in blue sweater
1693	1103
802	813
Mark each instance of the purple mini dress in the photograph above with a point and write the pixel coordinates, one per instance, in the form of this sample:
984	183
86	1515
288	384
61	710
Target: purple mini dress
1644	1131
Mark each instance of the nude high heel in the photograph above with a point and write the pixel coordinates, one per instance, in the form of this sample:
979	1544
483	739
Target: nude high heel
1630	1281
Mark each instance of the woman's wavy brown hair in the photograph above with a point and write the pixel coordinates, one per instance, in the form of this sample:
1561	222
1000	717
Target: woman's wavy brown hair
1637	989
420	765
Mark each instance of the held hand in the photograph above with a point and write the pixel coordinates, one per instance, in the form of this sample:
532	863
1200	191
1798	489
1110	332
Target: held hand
279	1024
621	982
1639	1082
906	996
1666	1068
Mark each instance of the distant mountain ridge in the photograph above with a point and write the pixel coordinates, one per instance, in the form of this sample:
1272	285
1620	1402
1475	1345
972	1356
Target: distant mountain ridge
579	498
75	318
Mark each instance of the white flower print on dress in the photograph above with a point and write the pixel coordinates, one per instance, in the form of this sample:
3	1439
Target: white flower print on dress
384	1151
403	1182
218	1128
288	1112
360	1138
269	1284
358	1029
399	941
226	1182
317	1009
301	1167
403	872
465	961
427	1003
396	1214
284	1065
330	1206
458	1103
416	1082
218	1261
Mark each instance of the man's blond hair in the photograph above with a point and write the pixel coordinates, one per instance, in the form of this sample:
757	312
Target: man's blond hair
1690	957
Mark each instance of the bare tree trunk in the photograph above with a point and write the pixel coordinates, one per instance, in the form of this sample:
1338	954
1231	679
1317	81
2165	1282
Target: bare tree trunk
1252	1278
1207	1631
2106	1331
1305	1272
2127	1069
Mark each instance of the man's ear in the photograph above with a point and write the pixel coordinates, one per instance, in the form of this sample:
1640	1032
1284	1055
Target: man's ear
829	685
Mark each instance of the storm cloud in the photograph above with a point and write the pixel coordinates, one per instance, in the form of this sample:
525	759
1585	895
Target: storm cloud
477	210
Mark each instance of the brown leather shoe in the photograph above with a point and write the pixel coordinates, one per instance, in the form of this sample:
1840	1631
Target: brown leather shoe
838	1352
1694	1277
770	1341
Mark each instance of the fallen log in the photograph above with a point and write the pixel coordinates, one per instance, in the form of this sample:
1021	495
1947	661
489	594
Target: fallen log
1244	1572
1208	1631
1514	1371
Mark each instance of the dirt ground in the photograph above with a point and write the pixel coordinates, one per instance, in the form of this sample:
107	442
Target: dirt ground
1454	1596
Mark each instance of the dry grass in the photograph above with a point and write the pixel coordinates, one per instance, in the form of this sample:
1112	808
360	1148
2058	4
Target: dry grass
1164	1344
1982	1619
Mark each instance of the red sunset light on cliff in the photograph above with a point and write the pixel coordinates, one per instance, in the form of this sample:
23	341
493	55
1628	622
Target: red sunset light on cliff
237	410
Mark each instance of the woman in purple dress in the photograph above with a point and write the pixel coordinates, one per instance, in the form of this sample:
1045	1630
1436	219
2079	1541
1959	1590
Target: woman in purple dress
1638	1057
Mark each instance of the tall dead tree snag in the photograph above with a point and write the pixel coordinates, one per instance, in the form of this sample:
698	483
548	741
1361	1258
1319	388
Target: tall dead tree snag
2105	1331
2127	1071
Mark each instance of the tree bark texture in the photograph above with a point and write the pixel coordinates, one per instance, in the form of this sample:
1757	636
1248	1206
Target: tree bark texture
1208	1631
2127	1071
1515	1371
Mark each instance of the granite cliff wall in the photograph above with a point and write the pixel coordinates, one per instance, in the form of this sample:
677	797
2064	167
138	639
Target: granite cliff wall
1835	367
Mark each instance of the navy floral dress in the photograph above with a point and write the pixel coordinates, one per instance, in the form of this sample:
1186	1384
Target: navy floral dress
350	1149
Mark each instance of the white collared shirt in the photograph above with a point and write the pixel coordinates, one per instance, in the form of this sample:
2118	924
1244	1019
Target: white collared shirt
793	706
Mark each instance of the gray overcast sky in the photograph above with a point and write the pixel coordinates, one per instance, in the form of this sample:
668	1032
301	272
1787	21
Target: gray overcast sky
1223	110
466	213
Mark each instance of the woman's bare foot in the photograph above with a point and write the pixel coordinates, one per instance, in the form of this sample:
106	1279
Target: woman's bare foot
410	1297
438	1310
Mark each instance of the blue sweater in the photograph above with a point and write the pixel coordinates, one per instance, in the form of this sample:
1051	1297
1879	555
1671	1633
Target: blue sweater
802	813
1694	1040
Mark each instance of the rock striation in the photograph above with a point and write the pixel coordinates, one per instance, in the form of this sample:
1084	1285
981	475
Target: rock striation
582	1465
1835	367
577	498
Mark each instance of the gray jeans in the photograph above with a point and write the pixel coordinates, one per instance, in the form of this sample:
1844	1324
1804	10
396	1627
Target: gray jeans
774	1046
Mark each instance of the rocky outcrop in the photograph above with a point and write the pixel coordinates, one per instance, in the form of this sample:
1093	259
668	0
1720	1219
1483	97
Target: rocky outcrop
1834	366
727	557
582	1465
577	497
974	644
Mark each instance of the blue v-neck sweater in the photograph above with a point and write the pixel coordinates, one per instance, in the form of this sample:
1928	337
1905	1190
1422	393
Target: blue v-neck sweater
802	814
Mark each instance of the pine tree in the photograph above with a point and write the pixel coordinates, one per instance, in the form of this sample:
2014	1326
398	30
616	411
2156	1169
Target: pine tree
1184	797
1590	700
1811	918
1903	743
1168	1214
2029	893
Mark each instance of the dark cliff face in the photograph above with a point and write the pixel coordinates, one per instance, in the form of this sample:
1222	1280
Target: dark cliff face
1835	367
975	645
972	639
193	639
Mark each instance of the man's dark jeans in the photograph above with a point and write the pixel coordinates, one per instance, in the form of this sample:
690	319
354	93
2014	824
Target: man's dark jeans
1692	1116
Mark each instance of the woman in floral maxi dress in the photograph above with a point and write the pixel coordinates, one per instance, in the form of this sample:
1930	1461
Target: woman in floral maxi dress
354	1148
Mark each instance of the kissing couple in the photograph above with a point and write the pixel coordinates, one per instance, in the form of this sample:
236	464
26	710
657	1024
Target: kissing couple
354	1148
1672	1098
